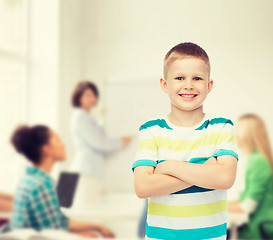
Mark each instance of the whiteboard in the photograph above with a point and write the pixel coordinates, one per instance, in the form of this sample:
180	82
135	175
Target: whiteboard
129	102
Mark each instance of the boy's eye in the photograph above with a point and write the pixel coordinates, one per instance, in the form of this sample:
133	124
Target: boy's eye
197	78
179	78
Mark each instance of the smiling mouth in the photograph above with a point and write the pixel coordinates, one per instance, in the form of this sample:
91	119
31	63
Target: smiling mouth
188	95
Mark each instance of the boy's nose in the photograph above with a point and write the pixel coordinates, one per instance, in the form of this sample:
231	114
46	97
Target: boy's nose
188	85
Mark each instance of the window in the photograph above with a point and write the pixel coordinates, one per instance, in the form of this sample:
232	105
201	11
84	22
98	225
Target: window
12	88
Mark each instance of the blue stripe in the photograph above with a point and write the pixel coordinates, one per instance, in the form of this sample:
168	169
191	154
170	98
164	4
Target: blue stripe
158	122
193	189
144	162
192	160
186	234
160	161
214	121
198	160
222	152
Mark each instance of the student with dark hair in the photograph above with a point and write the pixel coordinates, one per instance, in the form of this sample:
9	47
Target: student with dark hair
36	203
91	142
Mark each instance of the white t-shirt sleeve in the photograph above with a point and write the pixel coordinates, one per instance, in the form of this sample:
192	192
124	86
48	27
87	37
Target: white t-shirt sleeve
225	143
146	154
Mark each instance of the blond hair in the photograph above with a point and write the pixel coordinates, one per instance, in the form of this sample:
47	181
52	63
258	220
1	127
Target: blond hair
185	50
252	132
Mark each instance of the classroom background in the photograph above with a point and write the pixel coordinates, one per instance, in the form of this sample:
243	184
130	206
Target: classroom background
47	47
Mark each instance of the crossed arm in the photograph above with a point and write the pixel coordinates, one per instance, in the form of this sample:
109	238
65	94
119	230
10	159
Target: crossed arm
171	176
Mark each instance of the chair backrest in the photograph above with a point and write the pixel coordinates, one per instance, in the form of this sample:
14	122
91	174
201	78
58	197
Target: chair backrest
266	230
3	221
5	227
66	188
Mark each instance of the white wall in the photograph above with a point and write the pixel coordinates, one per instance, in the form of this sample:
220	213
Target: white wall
43	62
130	38
71	62
54	60
125	38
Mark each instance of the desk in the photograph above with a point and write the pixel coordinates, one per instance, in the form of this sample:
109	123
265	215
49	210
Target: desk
5	215
234	221
125	216
120	212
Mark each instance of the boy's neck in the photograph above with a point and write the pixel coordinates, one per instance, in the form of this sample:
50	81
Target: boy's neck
186	118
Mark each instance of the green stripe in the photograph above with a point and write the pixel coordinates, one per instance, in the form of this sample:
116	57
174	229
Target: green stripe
185	145
158	122
222	152
144	162
187	211
214	121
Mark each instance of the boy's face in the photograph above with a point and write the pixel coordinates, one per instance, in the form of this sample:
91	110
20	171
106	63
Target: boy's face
187	83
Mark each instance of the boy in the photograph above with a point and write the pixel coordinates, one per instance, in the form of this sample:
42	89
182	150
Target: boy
186	160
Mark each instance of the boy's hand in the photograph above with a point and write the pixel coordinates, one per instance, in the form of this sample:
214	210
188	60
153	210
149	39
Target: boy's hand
162	168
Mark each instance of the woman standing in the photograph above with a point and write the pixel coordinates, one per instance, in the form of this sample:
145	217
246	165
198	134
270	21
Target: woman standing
257	197
92	144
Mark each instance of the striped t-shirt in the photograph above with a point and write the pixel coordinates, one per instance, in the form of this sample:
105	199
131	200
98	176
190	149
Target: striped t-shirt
194	213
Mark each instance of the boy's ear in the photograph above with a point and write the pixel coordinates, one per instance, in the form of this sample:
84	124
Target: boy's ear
210	85
163	85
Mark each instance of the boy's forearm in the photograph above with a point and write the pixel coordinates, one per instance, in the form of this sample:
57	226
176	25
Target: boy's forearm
212	176
149	184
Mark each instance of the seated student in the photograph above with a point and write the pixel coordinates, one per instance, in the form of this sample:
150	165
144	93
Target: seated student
257	197
36	203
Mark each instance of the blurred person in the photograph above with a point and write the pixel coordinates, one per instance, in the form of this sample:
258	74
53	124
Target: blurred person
36	203
92	144
257	197
6	201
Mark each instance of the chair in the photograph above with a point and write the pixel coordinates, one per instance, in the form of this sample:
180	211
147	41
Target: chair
5	227
66	188
267	234
3	221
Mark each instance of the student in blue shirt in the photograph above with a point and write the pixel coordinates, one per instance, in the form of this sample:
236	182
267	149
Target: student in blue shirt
36	203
